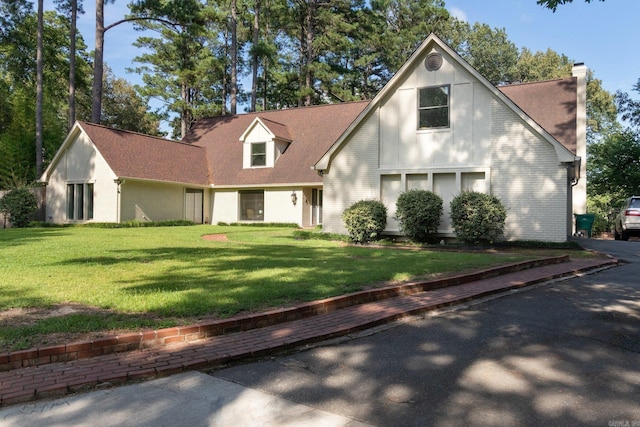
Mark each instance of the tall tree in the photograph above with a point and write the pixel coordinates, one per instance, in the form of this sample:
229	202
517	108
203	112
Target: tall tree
602	113
614	165
123	108
18	83
490	51
234	57
71	8
179	68
629	107
98	62
39	89
534	67
255	54
405	24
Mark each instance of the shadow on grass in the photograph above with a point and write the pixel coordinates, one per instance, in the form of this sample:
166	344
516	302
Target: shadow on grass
229	278
22	236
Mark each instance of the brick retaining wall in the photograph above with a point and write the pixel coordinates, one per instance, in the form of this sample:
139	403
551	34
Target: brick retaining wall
161	337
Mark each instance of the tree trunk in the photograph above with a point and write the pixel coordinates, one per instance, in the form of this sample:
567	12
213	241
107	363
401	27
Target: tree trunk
234	56
184	115
39	89
72	63
254	59
309	43
98	64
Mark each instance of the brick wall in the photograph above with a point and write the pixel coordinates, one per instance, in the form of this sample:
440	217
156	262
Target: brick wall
528	180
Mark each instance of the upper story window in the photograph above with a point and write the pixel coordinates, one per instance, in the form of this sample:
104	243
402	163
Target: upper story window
258	154
433	107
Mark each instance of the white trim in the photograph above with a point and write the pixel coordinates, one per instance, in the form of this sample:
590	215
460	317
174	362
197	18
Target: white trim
259	186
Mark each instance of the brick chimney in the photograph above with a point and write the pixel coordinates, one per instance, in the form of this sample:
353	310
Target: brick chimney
579	71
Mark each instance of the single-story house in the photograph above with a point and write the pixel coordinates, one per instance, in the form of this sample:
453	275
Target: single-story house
438	125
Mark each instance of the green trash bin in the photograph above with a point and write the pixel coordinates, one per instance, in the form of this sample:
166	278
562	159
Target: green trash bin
585	222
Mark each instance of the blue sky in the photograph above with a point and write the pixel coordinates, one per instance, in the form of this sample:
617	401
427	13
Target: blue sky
600	34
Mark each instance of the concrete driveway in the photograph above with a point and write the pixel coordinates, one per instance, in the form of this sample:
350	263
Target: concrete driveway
561	354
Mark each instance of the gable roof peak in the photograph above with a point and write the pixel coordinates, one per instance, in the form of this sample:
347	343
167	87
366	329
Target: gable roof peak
563	153
276	130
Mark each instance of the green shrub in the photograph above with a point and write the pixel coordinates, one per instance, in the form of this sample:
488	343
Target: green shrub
418	213
365	220
19	205
136	223
318	235
477	217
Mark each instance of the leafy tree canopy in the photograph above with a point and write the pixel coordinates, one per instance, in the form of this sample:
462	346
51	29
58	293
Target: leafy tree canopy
553	4
629	107
614	165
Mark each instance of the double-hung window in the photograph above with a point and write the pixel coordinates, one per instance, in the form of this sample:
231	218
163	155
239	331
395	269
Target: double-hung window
258	154
433	107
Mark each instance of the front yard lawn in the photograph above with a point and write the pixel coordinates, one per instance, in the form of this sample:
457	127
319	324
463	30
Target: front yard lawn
59	283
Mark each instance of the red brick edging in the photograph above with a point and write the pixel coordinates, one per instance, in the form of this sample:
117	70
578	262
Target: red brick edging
158	338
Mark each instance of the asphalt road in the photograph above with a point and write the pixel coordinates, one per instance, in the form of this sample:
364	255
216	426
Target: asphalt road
561	354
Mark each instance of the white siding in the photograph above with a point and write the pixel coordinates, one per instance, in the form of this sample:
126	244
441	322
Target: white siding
486	148
466	141
528	180
151	201
353	175
258	133
81	163
278	206
225	206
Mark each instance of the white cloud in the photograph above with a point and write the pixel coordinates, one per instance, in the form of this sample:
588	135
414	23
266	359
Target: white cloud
458	13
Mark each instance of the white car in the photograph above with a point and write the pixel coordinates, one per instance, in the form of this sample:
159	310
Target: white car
627	222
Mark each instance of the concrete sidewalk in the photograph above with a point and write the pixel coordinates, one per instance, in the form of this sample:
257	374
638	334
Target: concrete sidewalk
58	379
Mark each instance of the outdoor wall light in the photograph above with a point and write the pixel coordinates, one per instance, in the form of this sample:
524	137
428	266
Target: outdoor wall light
294	198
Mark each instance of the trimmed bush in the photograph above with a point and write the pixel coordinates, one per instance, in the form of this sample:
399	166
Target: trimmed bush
365	220
19	205
418	213
477	217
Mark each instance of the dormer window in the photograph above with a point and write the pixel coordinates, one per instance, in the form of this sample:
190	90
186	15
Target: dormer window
264	141
258	154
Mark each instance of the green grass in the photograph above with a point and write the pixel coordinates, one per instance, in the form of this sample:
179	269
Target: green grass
161	276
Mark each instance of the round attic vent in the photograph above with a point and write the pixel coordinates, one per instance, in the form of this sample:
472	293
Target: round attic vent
433	61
